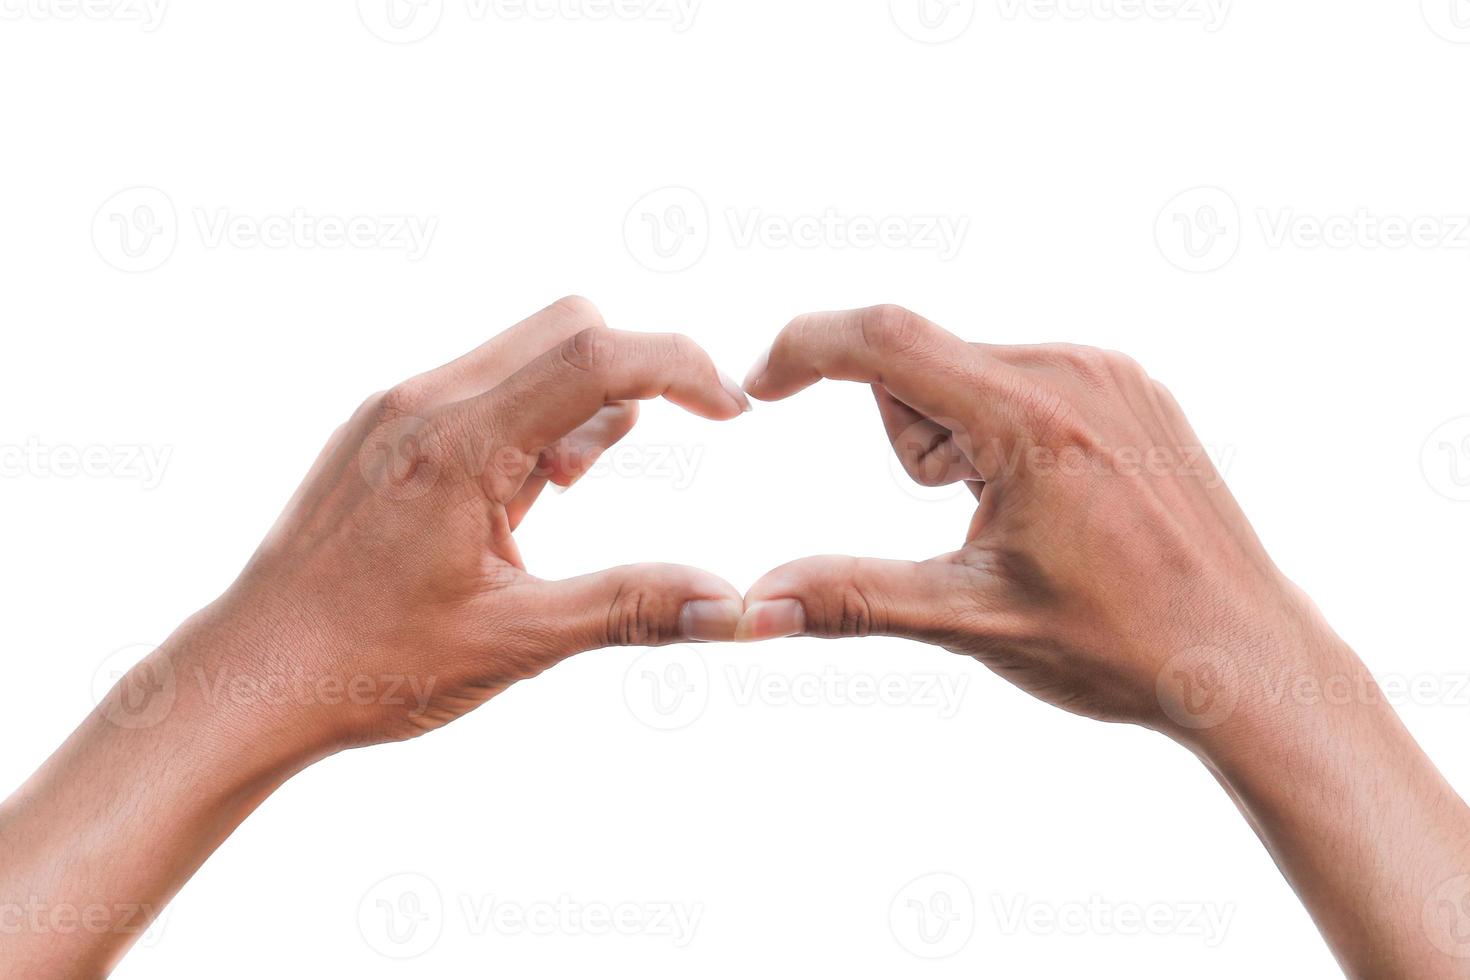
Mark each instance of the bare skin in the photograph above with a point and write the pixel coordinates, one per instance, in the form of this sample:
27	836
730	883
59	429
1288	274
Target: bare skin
388	600
1109	571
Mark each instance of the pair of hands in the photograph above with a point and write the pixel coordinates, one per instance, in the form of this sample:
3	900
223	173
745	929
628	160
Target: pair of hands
1107	569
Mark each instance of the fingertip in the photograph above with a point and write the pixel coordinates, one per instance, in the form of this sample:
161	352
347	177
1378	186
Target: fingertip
710	620
757	371
736	394
771	620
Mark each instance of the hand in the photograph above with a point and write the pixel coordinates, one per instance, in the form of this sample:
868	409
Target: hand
1107	570
1106	564
394	567
389	599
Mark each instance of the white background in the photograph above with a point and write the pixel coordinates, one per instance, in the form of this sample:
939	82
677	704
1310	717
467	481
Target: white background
793	830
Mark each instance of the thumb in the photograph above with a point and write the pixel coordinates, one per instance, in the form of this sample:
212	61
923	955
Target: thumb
836	596
640	605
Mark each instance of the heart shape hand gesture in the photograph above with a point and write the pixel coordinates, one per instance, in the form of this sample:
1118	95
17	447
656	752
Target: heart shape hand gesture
1106	570
1105	567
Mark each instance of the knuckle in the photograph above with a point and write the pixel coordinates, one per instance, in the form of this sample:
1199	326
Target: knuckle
1098	368
892	329
637	617
436	439
403	399
1090	363
682	348
792	334
853	614
1123	366
1053	420
1164	397
579	309
848	609
589	351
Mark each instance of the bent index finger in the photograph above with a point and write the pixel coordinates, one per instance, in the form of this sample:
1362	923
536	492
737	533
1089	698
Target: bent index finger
570	383
921	364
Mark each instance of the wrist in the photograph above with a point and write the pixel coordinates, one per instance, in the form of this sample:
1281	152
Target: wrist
233	688
1301	722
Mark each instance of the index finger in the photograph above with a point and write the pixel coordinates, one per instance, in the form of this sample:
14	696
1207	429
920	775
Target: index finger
921	364
569	384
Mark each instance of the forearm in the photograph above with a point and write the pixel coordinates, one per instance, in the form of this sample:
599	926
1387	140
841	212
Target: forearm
107	831
1357	817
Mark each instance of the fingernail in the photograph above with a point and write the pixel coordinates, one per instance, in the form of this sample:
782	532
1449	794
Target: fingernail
733	390
713	620
758	369
771	620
